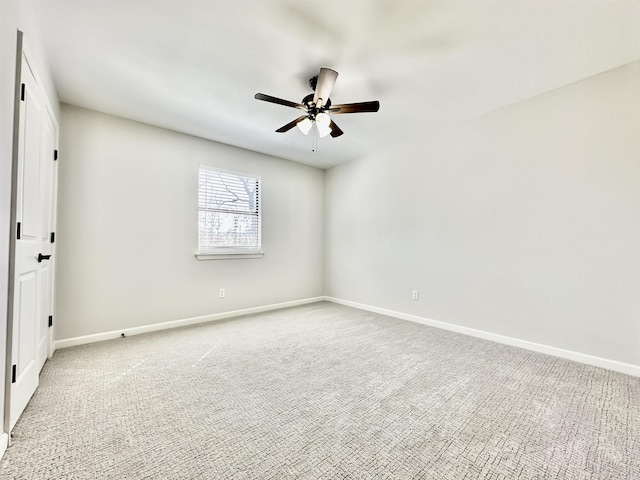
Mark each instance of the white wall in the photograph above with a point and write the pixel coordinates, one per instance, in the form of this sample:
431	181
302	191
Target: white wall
524	223
127	228
14	15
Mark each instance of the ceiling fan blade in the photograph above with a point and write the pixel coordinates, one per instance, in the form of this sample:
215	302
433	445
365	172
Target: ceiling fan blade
326	81
355	107
290	125
335	129
279	101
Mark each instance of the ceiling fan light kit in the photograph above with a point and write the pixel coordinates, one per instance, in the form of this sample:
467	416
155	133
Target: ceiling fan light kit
323	122
317	107
305	125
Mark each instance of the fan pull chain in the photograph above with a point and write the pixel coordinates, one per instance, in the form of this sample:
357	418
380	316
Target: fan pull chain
314	138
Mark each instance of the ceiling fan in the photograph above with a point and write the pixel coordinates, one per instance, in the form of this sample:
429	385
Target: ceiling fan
317	106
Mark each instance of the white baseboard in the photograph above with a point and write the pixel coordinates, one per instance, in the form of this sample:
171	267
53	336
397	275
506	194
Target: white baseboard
614	365
4	443
587	359
99	337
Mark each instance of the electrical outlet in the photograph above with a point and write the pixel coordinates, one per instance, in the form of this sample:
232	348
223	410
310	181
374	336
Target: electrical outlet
221	293
415	295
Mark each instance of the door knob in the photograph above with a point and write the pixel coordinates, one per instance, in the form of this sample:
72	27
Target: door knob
43	257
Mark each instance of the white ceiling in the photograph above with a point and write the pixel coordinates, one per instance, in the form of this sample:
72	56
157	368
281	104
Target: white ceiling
194	66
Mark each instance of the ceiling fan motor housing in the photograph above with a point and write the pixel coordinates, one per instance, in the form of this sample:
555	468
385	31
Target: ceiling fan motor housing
308	102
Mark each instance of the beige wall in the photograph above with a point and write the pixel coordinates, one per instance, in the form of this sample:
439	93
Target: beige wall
127	226
524	223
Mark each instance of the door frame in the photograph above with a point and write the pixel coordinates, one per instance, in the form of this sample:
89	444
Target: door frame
22	52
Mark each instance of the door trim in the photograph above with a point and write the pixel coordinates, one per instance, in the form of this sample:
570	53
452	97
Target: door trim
13	232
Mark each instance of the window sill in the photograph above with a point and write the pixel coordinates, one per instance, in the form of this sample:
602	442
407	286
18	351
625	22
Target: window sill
227	255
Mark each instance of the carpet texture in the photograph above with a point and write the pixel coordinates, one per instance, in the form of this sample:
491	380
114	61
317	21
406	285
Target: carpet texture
323	391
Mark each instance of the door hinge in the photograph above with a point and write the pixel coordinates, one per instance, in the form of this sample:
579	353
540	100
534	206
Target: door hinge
55	155
51	320
18	231
53	237
22	87
13	374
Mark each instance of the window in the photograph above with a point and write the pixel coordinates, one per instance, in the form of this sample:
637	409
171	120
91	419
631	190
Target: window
228	214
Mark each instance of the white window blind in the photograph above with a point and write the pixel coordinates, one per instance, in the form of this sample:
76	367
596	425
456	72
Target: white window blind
228	211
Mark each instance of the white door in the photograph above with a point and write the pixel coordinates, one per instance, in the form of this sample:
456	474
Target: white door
47	202
33	279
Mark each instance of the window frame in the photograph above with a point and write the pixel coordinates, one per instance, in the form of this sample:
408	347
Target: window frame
234	252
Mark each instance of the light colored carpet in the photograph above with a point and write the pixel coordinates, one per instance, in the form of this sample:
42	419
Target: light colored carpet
323	391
